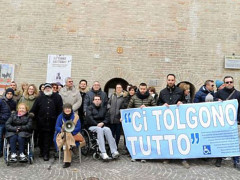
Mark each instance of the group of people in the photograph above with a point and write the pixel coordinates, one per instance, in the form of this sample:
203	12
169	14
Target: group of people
46	112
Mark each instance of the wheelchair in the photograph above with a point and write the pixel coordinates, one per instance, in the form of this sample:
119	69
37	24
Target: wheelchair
92	146
29	150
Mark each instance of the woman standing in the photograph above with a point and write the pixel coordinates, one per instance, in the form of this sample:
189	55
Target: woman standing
29	96
115	103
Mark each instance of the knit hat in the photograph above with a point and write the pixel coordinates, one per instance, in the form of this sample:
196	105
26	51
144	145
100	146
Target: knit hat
67	105
47	85
219	83
9	90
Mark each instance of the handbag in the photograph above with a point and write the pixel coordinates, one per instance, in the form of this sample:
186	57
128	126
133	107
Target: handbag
78	137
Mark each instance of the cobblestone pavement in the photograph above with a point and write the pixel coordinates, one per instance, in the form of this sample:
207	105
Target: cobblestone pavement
122	168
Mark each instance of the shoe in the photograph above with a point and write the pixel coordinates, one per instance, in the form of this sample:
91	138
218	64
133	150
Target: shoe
115	155
13	157
66	164
143	161
22	157
185	164
104	156
166	162
218	162
46	158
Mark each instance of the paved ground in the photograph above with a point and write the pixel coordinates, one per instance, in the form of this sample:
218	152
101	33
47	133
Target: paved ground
118	169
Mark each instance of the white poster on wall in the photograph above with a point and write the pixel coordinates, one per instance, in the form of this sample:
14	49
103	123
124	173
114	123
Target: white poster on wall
59	67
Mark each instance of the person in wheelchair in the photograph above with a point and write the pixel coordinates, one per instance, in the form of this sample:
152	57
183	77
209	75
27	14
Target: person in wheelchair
18	129
97	118
67	140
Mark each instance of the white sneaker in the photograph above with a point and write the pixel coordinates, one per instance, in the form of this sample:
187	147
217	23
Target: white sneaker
13	157
104	156
115	155
22	157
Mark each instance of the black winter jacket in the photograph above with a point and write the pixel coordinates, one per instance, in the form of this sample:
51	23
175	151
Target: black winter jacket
5	112
224	93
95	115
171	96
15	122
46	110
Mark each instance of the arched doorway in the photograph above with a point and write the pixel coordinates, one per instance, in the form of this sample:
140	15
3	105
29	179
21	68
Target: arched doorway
111	84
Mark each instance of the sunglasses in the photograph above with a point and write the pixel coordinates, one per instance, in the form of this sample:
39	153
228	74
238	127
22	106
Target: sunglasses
229	82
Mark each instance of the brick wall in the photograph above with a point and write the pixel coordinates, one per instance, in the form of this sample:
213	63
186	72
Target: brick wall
188	38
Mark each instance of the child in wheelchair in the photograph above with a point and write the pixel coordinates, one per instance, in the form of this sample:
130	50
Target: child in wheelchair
18	130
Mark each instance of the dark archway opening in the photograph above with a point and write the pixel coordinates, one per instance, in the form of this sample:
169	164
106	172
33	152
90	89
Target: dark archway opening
111	84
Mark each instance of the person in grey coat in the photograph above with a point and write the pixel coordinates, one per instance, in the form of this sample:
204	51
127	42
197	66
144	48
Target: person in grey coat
71	95
115	103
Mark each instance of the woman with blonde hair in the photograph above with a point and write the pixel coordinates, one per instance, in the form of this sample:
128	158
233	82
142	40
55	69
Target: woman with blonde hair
29	96
19	127
24	86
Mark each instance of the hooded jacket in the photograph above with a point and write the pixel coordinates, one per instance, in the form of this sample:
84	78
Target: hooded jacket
201	95
4	112
141	99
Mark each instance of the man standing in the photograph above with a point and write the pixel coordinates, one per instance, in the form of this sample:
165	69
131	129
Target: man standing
169	96
97	118
227	93
71	95
142	98
83	90
46	109
8	99
96	90
205	93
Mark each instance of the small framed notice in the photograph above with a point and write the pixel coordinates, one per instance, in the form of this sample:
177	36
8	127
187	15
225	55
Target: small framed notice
232	62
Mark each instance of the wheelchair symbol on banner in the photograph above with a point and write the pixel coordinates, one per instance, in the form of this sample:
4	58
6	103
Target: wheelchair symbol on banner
206	149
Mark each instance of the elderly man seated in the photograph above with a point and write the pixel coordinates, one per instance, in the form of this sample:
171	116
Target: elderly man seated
97	118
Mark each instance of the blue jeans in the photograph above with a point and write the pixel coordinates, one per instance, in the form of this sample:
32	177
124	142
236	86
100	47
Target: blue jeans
2	131
13	142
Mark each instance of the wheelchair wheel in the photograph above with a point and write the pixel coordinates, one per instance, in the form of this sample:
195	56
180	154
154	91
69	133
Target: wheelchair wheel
30	160
85	149
96	156
6	151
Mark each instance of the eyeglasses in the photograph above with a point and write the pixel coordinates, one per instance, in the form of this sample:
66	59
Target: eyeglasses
229	82
70	81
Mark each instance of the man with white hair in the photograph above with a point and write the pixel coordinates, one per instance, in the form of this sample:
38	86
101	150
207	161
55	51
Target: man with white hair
71	95
46	109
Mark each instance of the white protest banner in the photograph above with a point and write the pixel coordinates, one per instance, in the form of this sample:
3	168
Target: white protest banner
59	67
